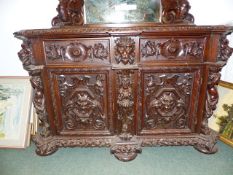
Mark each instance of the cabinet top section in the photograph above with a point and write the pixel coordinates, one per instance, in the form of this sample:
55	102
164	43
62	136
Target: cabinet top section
80	12
92	31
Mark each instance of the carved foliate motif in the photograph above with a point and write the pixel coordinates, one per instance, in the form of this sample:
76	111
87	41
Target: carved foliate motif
173	49
70	12
25	55
176	11
167	100
125	100
75	52
83	101
125	50
225	51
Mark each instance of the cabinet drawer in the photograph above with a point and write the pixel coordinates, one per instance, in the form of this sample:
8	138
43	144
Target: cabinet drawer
172	49
75	51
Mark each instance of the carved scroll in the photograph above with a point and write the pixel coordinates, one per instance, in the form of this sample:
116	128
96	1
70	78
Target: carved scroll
76	51
125	50
167	100
173	49
83	101
70	12
176	11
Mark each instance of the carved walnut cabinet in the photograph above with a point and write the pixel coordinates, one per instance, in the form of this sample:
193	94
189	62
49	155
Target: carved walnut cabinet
125	86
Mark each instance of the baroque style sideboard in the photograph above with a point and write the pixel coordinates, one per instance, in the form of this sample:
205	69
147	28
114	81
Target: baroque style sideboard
125	85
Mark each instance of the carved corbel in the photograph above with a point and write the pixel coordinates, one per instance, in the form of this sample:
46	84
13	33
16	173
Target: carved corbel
70	12
176	11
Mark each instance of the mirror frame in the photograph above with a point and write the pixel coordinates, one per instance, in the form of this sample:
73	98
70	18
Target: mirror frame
71	13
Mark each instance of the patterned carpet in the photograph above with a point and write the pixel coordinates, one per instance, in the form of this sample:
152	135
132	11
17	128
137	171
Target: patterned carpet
98	161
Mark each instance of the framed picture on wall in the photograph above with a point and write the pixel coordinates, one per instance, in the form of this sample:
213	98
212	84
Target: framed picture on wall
222	120
15	106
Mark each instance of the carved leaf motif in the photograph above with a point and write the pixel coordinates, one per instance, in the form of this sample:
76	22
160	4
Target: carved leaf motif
125	50
166	105
83	103
75	52
25	55
125	100
173	49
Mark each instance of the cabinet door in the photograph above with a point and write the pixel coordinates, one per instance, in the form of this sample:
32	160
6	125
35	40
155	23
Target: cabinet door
81	101
169	100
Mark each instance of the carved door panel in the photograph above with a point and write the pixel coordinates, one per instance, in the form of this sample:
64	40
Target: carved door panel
169	100
81	101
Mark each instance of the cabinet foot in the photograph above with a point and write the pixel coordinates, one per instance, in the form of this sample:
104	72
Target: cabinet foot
207	143
126	150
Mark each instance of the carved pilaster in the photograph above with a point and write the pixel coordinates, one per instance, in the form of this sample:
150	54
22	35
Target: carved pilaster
70	12
176	11
125	147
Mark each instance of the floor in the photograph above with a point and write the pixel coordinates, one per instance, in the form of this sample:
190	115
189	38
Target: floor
98	161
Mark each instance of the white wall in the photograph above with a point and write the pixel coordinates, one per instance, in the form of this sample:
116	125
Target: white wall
28	14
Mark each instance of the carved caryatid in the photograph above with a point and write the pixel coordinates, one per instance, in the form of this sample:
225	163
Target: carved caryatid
176	11
225	51
83	103
70	12
75	52
173	49
125	50
167	100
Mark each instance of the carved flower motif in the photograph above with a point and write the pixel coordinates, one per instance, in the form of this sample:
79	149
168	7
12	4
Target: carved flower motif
76	52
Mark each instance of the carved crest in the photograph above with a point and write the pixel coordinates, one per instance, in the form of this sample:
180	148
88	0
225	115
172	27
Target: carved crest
70	12
176	11
125	50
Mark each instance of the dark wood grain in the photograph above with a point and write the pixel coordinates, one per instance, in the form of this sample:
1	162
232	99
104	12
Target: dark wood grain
125	87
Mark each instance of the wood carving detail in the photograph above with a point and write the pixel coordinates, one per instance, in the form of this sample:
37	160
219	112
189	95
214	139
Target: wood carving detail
39	104
83	101
70	12
225	50
167	100
76	52
125	50
173	49
176	11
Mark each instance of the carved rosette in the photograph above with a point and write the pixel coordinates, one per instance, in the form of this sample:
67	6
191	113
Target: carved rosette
125	50
173	49
176	11
83	102
75	52
225	51
167	100
70	12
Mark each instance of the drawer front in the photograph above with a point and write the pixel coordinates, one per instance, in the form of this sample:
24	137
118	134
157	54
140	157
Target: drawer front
81	101
169	100
172	49
75	51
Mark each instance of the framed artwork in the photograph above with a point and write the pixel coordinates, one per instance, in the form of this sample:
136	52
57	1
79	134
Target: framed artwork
121	11
15	106
222	120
